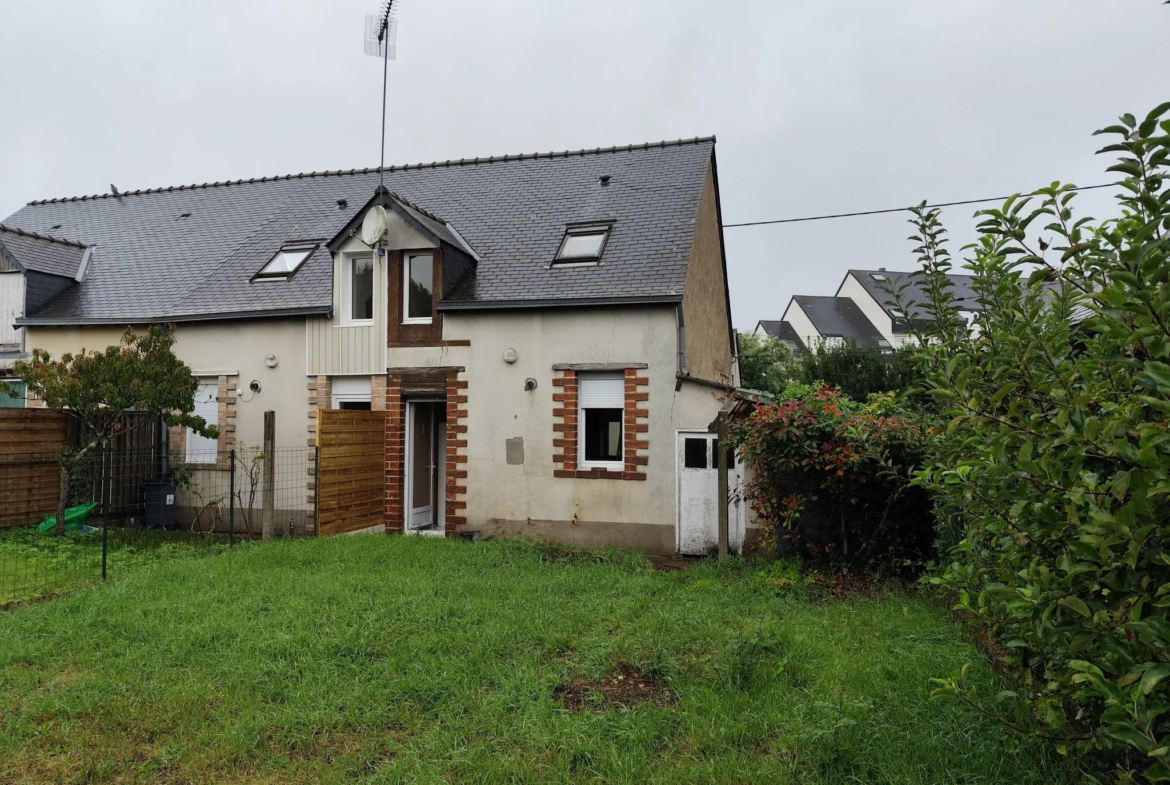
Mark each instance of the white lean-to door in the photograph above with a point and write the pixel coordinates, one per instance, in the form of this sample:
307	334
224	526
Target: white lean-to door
697	515
426	439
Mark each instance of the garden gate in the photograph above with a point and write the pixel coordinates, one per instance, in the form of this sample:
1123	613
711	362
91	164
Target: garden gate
351	469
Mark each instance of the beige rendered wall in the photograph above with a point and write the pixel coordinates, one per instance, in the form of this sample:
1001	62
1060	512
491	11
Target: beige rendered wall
873	311
704	297
212	349
800	322
527	500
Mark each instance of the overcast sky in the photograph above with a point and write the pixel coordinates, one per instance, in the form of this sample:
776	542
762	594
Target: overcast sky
819	106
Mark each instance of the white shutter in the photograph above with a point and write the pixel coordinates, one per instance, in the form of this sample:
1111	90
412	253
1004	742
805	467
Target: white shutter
200	449
601	390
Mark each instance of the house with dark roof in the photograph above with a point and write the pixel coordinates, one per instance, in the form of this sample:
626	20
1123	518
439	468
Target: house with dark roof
780	331
864	312
832	321
871	291
549	335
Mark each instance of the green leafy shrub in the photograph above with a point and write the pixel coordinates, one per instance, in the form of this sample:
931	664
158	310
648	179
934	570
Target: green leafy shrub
816	451
1055	465
767	366
856	371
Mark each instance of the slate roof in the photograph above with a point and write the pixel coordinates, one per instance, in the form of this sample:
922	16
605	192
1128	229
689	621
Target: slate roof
965	296
839	317
41	252
189	252
784	331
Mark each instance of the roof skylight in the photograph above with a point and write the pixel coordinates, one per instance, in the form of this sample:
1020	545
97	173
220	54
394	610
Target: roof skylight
583	244
286	262
877	276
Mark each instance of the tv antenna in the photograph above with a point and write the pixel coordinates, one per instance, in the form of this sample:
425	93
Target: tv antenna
381	35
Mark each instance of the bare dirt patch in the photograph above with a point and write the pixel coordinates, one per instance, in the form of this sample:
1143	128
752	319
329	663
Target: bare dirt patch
627	688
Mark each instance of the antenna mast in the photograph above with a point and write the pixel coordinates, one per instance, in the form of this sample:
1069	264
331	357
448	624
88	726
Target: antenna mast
381	35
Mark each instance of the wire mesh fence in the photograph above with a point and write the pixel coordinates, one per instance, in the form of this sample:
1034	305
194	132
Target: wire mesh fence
128	509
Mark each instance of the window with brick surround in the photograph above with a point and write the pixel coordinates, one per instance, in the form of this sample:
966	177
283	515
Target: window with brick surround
601	401
600	422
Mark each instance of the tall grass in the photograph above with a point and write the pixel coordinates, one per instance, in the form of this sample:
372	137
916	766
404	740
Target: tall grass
380	660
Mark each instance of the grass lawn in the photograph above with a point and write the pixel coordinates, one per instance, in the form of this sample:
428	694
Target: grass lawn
35	565
411	659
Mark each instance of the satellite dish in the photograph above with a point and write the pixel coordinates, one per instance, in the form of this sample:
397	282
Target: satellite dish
374	225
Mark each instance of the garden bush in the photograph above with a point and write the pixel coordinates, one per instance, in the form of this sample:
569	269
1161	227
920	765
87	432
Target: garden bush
1055	464
818	455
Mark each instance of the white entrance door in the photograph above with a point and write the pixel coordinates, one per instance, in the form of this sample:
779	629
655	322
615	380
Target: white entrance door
698	486
425	464
697	526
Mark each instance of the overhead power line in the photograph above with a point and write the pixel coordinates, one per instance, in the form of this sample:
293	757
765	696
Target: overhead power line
893	209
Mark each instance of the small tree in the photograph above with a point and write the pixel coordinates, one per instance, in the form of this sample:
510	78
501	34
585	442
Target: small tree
767	365
141	373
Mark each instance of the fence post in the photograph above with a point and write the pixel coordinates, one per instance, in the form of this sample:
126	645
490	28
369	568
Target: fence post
105	503
721	446
232	501
267	527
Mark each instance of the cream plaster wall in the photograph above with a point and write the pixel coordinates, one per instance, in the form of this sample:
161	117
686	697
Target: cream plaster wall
500	409
215	348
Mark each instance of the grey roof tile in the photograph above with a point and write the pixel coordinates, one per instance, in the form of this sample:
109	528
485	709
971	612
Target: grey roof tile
191	251
41	252
964	295
839	317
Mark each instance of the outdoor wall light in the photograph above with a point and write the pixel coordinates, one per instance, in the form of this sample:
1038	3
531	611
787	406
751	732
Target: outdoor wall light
510	356
254	386
530	384
270	360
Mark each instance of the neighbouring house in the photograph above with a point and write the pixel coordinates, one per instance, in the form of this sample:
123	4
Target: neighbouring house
863	311
780	331
832	321
541	339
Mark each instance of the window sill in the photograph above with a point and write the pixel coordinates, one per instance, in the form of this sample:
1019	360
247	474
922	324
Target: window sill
356	323
418	321
598	474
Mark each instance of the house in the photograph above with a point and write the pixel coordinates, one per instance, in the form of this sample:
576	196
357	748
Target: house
864	312
546	336
781	331
832	321
870	290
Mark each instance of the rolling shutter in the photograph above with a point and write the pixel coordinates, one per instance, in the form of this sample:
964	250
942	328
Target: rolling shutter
200	449
601	391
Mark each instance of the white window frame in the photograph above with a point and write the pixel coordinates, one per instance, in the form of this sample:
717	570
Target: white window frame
347	260
406	257
201	458
615	466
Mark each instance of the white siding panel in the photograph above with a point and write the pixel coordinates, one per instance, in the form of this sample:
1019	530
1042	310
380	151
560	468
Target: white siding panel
11	308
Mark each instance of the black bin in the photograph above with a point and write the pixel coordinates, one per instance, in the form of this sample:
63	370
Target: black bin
160	504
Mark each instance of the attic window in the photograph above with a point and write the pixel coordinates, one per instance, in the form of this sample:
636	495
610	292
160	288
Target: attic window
883	343
897	314
877	276
582	244
286	262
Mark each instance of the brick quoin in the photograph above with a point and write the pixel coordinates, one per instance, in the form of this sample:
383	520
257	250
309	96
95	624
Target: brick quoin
565	429
395	409
456	455
320	396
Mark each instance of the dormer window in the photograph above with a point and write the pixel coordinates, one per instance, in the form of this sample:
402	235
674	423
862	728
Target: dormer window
582	245
286	262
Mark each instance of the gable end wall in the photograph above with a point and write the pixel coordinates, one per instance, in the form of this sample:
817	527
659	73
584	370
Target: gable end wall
708	338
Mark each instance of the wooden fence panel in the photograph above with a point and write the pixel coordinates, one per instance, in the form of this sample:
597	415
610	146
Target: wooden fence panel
352	470
30	478
29	440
